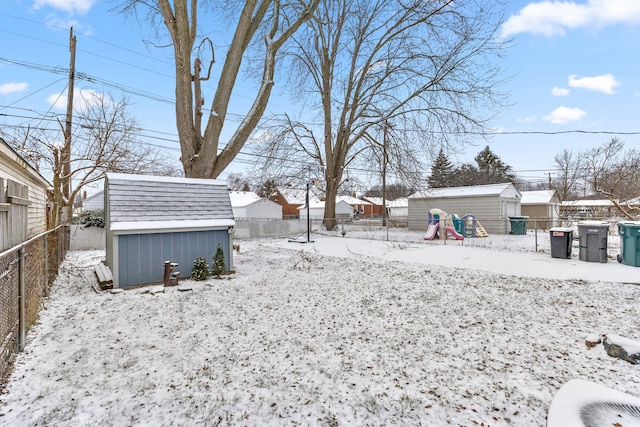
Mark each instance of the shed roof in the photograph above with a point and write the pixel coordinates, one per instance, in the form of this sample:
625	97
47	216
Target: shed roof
297	196
185	202
241	199
586	203
538	197
466	191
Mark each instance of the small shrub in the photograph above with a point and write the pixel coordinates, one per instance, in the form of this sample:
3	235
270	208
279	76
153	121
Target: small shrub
218	261
93	218
200	269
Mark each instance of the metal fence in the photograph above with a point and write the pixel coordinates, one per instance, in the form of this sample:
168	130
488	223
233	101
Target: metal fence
532	236
26	274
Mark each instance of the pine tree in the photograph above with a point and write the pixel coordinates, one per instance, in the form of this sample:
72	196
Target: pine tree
200	269
492	169
442	172
218	261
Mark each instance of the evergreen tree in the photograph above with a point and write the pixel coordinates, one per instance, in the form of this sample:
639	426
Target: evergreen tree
218	261
200	269
492	168
442	172
489	169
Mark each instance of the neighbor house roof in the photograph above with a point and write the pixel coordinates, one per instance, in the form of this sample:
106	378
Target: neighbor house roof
466	191
538	197
352	200
297	196
599	202
402	202
240	199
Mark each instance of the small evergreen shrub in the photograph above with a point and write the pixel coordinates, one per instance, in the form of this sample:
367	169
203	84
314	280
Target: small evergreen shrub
200	269
93	218
218	261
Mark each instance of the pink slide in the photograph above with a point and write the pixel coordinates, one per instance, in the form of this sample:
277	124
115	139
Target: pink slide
432	230
452	232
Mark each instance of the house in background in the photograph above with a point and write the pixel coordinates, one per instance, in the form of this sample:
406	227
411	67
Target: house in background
247	204
491	204
153	219
582	209
542	206
23	199
361	208
292	198
94	202
376	205
344	211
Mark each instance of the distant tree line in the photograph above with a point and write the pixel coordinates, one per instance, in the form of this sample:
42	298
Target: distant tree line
488	169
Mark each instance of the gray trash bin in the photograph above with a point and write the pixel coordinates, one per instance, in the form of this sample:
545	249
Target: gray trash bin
561	240
593	241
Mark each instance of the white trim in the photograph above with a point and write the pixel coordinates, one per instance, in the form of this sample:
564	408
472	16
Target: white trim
157	178
133	227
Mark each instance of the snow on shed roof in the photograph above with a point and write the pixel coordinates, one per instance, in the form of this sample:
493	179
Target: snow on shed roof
466	191
240	199
537	197
143	198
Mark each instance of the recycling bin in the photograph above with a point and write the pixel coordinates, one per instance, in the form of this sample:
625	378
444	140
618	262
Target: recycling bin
518	224
561	239
593	241
629	243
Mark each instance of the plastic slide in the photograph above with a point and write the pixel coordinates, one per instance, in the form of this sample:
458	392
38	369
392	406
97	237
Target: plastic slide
432	230
453	232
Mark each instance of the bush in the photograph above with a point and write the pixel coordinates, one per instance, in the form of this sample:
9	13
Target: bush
218	261
93	218
200	269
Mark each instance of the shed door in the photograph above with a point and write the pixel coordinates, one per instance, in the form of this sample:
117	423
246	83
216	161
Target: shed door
511	209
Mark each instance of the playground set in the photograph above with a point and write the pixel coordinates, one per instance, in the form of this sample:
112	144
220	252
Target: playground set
458	228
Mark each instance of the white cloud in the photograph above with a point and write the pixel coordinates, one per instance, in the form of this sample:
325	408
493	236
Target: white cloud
83	100
604	83
553	18
529	119
13	87
562	115
71	6
559	91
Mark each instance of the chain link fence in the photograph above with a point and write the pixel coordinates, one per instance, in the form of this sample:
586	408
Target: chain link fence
26	274
530	235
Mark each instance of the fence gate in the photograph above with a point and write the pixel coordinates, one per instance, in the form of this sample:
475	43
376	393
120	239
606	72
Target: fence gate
14	213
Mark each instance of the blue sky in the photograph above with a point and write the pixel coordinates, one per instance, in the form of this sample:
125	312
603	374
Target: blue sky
574	66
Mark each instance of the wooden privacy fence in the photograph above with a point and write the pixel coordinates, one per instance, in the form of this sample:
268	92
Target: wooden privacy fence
26	274
14	213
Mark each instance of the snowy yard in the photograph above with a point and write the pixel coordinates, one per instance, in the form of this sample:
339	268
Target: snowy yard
337	332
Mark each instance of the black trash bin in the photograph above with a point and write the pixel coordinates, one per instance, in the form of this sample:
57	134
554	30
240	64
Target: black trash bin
561	240
593	241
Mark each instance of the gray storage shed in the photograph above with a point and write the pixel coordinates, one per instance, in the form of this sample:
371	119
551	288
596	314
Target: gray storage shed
153	219
492	205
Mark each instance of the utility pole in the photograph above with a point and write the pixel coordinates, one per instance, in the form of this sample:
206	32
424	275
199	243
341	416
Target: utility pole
66	149
384	176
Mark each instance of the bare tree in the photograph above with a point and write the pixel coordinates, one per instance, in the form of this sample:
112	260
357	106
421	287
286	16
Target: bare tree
203	154
615	174
423	67
105	141
570	174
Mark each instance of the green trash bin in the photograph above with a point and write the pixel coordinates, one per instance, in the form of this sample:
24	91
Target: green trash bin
518	224
629	243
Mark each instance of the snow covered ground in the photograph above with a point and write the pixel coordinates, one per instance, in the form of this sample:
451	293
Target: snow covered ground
341	331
